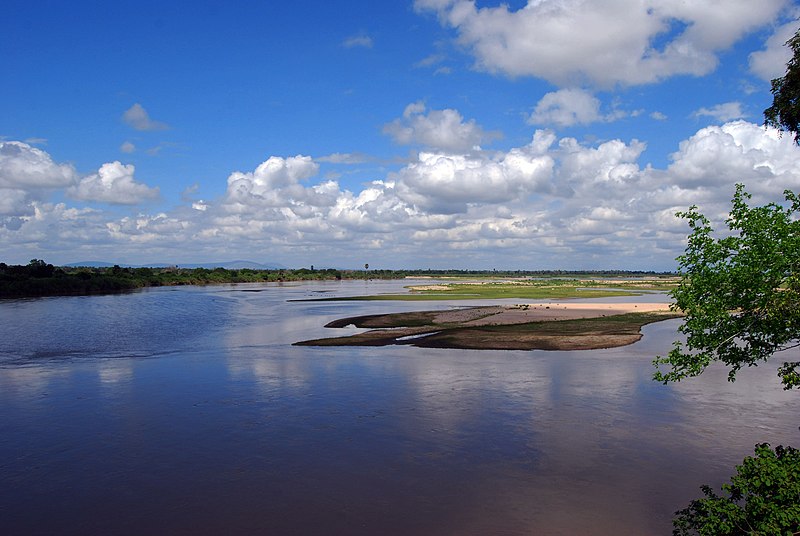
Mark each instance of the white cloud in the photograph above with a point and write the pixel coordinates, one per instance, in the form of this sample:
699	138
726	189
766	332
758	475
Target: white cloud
26	167
771	62
137	117
113	183
563	203
431	60
568	107
569	42
445	183
127	147
613	161
62	229
27	175
722	112
360	40
658	116
737	152
272	174
274	188
14	202
345	158
444	130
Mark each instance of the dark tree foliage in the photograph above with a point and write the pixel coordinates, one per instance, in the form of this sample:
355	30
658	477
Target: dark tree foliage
740	293
39	268
784	113
762	498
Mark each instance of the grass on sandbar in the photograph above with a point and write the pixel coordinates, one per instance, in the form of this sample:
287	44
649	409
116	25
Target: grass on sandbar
538	290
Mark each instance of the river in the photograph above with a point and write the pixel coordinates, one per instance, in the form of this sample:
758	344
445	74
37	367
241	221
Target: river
187	411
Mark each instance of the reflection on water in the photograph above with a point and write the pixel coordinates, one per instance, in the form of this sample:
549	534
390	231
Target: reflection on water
187	411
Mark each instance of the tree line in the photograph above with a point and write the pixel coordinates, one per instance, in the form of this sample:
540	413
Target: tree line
39	278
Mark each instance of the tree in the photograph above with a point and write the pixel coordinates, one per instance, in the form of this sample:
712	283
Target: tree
39	268
762	498
741	297
740	293
784	113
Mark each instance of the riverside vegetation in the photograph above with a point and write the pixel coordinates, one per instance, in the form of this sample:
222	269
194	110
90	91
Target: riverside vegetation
38	278
741	296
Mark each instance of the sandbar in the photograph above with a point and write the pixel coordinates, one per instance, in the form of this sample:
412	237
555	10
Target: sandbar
545	326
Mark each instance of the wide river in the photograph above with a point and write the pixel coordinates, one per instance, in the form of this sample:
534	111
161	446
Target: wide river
188	411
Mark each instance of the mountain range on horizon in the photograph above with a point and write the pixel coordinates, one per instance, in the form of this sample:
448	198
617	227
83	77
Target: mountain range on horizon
228	265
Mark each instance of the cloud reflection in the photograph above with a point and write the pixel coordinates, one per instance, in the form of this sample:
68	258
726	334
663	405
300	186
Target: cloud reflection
115	371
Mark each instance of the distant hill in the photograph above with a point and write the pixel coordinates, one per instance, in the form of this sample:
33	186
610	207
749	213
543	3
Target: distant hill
234	265
90	264
229	265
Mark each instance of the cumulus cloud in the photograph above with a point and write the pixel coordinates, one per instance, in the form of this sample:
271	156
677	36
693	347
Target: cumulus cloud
274	173
563	202
770	62
137	117
722	112
568	107
612	162
11	199
737	152
569	42
27	174
274	183
113	183
449	183
59	227
26	167
127	147
438	129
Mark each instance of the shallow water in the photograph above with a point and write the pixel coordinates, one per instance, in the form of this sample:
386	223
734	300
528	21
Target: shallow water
187	411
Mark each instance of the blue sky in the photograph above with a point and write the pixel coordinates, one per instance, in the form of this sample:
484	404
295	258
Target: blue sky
428	133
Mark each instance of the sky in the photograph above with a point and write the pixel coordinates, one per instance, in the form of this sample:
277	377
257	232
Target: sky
547	134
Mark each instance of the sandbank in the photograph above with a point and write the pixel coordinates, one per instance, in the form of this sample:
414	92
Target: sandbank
542	312
548	326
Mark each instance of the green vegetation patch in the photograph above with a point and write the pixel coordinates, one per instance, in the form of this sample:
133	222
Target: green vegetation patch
549	289
578	334
555	289
622	324
391	320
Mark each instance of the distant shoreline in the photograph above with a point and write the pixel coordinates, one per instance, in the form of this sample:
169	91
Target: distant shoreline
39	279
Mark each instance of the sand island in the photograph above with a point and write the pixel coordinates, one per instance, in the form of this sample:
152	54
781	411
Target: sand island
532	326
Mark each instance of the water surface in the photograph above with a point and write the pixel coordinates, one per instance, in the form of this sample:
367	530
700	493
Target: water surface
187	411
